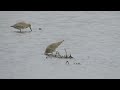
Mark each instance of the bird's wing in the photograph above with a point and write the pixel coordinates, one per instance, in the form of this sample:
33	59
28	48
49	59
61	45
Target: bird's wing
52	47
21	26
49	50
59	43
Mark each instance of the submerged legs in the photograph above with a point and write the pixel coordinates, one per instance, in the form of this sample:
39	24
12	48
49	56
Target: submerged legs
20	30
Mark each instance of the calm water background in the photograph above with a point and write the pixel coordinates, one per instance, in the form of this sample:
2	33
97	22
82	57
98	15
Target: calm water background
92	37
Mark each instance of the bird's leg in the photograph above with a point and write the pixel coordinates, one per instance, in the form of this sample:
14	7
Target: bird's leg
52	53
56	53
20	30
59	55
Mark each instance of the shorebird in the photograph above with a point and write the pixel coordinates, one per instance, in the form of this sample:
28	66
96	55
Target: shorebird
52	47
21	25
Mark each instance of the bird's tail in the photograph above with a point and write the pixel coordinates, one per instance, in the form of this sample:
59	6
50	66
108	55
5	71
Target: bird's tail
60	42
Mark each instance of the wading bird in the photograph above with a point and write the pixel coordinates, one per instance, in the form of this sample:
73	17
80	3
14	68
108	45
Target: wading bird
52	47
21	25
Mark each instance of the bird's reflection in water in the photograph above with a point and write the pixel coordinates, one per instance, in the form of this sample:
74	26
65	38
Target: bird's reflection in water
22	32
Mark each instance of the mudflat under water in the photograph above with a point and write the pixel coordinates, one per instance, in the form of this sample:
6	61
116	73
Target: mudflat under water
92	37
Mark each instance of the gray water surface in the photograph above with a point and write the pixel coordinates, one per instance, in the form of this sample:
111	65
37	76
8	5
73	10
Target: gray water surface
92	37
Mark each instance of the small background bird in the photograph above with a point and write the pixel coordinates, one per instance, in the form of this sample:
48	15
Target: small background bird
21	25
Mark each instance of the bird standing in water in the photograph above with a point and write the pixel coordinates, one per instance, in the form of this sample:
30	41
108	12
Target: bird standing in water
52	47
21	25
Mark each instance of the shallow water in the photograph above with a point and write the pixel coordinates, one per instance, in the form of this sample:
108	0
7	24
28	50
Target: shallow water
92	37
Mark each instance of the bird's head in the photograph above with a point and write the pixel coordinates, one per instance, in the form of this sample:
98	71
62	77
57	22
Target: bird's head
61	41
29	25
12	26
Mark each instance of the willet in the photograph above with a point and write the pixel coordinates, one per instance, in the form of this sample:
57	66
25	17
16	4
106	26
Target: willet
52	47
21	25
